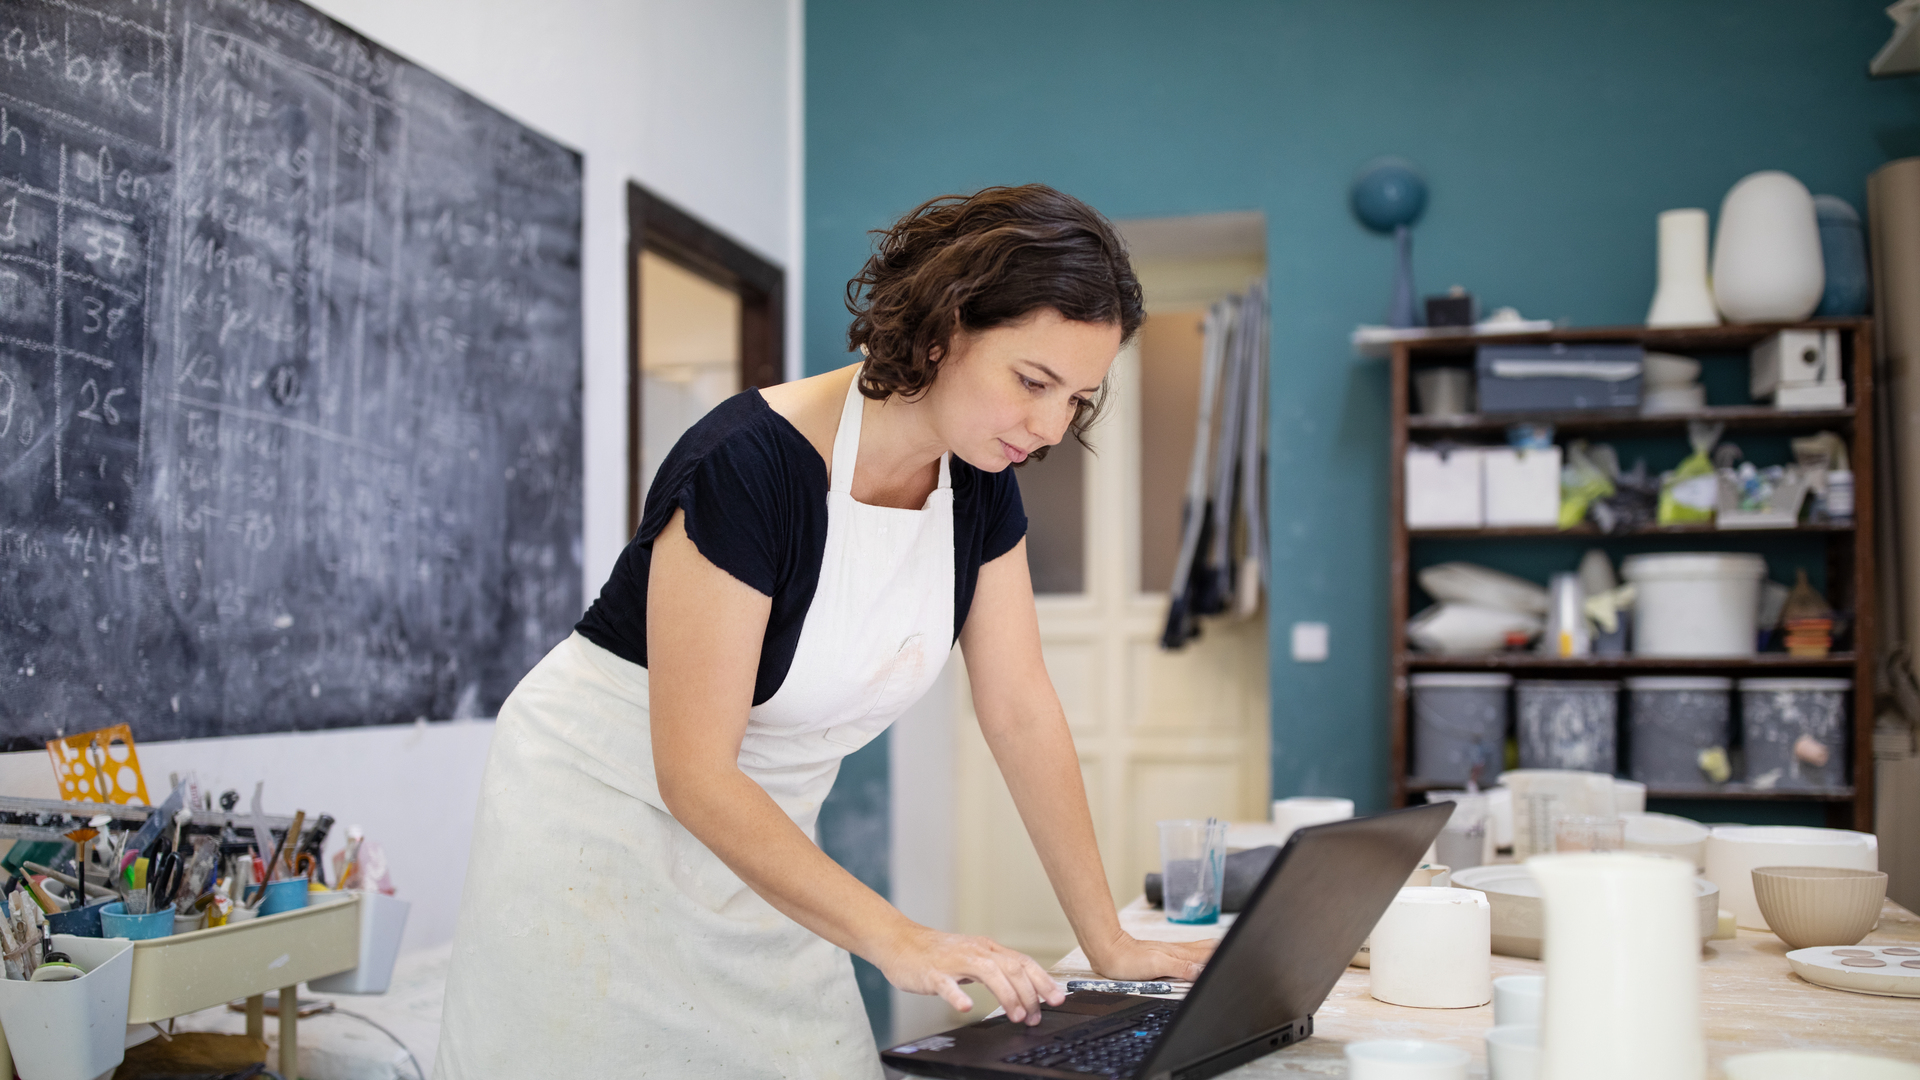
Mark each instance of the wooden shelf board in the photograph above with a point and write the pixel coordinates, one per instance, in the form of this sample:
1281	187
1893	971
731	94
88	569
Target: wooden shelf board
1626	421
1670	339
1587	531
1762	662
1726	792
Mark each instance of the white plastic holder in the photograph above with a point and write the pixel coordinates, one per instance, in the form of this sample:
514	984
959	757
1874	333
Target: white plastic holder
73	1030
383	919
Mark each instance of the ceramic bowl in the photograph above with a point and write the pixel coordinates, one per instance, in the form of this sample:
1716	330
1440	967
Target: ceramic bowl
1817	1065
1814	906
1734	850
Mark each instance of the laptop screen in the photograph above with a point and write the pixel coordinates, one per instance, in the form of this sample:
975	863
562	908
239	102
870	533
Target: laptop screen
1306	919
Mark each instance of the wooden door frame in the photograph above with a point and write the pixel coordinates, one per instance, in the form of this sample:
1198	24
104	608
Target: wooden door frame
654	224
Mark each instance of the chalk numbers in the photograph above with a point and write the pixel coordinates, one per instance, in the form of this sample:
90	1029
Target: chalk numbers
99	406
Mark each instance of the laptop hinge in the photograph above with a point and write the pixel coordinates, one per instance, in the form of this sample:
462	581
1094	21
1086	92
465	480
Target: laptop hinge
1214	1064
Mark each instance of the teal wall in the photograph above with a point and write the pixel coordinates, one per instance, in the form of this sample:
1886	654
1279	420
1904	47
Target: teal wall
1551	133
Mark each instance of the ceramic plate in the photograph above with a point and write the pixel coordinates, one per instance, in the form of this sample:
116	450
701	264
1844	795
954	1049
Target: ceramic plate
1886	970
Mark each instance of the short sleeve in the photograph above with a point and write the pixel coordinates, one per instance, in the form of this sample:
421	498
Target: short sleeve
738	512
1004	516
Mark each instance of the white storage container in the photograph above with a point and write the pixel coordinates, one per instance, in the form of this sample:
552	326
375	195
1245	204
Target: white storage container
71	1030
382	920
1522	486
1444	488
1695	603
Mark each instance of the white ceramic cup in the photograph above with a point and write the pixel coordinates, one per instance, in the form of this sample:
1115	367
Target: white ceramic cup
1405	1059
1517	998
1513	1052
1302	810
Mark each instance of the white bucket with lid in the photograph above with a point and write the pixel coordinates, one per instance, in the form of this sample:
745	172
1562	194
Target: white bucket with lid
1695	603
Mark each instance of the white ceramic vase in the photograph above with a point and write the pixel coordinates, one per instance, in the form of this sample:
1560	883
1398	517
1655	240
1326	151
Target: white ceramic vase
1683	296
1623	968
1767	265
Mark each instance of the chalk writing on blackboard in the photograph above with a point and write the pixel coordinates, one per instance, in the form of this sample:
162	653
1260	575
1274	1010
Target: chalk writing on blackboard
289	377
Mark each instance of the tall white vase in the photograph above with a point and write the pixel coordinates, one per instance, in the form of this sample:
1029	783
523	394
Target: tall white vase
1622	950
1683	296
1767	265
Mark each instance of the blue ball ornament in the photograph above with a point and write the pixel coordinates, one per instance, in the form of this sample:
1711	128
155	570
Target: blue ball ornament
1387	193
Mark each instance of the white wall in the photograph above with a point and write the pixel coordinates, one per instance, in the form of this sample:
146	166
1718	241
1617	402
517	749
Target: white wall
699	101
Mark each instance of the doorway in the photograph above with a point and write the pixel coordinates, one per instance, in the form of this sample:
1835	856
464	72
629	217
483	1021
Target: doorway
705	319
1160	734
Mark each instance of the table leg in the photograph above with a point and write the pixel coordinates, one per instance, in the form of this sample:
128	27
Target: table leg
289	1034
257	1017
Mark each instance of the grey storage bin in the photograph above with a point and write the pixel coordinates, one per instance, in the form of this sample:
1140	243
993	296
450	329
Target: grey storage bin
1670	720
1776	714
1521	378
1459	724
1570	724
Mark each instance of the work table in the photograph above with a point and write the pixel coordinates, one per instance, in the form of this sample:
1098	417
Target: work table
1750	1001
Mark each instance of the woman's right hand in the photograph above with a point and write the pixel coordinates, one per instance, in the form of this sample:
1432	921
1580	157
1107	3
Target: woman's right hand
925	961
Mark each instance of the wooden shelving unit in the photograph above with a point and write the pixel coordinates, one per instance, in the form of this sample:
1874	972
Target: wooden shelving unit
1849	547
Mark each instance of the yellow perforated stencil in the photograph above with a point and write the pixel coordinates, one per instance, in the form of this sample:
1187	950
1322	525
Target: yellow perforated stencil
99	766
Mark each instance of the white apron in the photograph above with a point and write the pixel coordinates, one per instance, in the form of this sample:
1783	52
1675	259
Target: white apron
597	937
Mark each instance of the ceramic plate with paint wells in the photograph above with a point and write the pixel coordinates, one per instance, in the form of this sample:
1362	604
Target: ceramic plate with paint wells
1886	970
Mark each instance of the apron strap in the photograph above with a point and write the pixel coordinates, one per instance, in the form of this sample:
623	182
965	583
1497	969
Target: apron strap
846	443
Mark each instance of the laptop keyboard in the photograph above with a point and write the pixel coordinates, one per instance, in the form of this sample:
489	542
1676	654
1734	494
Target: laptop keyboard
1115	1054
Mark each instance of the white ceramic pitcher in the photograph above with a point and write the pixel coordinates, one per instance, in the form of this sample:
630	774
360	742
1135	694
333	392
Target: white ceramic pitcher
1622	950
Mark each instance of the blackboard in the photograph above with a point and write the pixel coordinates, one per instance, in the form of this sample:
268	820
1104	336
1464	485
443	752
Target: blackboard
290	377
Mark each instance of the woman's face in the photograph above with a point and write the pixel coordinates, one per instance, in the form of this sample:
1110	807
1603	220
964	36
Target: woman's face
1003	393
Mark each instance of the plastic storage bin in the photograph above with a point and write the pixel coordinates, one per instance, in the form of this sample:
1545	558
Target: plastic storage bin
1794	732
1459	724
1695	603
1670	720
1570	724
382	920
71	1030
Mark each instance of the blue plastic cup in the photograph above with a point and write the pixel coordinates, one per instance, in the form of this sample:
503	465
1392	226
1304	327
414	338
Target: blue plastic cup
115	922
288	895
80	921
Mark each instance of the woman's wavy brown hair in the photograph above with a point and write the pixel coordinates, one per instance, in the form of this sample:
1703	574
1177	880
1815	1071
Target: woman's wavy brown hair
978	261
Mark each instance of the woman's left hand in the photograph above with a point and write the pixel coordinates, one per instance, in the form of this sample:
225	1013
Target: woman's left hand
1131	959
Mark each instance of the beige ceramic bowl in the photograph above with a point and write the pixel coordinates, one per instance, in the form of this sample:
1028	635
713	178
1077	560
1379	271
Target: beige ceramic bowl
1817	906
1816	1065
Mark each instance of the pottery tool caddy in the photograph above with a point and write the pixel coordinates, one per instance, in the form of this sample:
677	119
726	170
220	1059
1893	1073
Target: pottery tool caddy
131	977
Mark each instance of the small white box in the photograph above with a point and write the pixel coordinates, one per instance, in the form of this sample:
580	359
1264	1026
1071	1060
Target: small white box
1444	488
1793	356
1522	486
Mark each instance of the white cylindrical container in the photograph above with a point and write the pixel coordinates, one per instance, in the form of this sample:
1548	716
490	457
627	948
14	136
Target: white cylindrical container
1517	999
1623	968
1734	851
1666	834
1405	1059
1767	265
1695	603
1629	797
1433	949
1513	1052
1683	296
1300	811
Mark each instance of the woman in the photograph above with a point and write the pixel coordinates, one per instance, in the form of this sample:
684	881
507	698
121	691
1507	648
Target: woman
645	896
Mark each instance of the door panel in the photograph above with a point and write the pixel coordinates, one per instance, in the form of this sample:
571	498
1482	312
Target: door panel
1160	735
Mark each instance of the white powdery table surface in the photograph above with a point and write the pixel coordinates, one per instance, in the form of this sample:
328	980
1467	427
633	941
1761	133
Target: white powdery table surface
1750	1000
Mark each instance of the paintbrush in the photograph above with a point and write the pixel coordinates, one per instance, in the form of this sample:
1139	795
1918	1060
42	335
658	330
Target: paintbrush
273	864
81	837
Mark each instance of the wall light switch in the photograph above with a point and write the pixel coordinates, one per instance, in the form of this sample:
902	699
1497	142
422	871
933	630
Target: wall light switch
1309	642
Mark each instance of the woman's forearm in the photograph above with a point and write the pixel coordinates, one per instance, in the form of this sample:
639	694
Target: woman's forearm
739	822
1036	755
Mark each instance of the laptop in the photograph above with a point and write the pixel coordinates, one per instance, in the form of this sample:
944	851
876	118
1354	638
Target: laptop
1318	901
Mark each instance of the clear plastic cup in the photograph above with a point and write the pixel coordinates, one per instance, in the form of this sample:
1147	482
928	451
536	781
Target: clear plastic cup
1193	855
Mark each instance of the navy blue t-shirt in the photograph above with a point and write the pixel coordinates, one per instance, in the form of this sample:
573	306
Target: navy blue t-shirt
755	495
